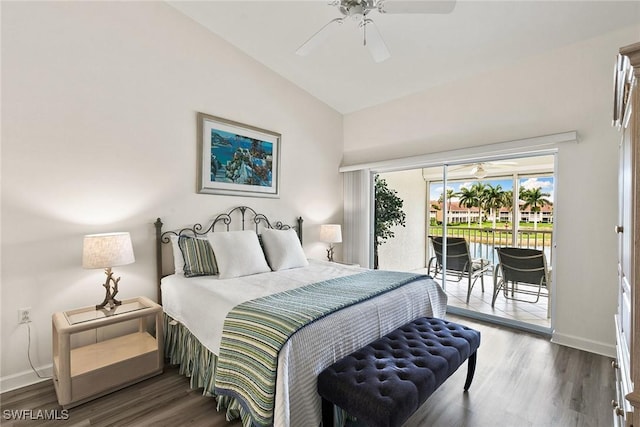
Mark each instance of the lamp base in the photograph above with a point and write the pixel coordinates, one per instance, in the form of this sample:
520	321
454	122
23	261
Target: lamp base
109	302
330	253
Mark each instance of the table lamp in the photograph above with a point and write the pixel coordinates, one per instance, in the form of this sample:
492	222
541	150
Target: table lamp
330	233
105	251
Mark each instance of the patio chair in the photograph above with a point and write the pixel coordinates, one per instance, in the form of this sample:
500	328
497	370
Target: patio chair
525	269
459	262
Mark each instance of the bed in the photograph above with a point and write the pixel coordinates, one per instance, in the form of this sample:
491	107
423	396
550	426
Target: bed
204	313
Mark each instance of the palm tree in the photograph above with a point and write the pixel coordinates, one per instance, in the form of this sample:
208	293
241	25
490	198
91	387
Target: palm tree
508	203
468	199
494	199
479	192
534	199
450	194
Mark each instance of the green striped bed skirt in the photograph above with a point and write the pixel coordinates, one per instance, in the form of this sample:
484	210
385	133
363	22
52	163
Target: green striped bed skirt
199	364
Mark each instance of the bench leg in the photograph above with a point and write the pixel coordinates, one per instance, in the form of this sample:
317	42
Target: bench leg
471	369
327	413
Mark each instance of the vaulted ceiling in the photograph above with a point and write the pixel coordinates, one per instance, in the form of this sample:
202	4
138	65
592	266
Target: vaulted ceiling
426	50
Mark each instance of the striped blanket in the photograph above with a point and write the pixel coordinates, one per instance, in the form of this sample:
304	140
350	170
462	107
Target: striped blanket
255	331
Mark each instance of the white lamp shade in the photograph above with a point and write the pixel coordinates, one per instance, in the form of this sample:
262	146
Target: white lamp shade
331	233
107	250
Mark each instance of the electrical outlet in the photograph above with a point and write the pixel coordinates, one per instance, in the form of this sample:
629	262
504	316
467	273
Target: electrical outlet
24	315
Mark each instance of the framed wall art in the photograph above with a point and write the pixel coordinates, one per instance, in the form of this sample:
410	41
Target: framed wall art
236	159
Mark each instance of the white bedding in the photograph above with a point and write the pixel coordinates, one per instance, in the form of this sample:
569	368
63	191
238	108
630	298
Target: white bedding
202	303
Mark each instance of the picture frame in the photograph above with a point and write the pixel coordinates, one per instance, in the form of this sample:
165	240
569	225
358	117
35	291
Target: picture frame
235	159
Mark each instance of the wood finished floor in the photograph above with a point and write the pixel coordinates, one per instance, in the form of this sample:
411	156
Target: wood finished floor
521	380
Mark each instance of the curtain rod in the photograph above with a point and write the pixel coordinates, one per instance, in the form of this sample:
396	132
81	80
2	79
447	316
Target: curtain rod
528	146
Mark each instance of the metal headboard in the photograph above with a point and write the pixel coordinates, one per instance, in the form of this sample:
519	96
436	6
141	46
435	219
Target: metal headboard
245	215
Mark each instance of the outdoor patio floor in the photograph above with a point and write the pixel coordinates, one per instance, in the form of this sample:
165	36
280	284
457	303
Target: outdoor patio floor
532	313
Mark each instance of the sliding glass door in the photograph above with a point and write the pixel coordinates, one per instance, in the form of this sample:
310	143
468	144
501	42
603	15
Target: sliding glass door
505	202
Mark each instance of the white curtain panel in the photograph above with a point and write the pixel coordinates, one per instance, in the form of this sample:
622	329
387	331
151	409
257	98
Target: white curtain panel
358	216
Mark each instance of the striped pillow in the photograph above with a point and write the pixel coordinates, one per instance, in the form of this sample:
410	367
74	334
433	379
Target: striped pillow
198	257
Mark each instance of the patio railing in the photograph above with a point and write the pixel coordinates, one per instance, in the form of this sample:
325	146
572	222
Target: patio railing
483	241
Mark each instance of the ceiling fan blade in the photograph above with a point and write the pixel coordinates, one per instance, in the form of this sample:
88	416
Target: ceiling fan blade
502	163
457	168
416	6
319	37
374	42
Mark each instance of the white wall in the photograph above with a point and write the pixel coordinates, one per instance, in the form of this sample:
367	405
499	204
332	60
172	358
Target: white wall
99	111
566	89
406	251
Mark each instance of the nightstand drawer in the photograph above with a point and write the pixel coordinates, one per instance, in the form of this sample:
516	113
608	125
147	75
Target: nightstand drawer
114	376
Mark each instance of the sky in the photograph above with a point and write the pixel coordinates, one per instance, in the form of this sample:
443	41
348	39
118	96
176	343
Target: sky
545	183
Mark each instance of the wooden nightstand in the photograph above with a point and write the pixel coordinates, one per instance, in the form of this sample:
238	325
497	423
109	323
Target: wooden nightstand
86	372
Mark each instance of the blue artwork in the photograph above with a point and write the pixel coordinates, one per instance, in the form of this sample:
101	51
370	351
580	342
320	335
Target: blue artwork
239	159
236	159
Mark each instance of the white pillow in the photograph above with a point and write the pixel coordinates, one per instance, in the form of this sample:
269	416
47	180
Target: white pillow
178	259
238	253
283	249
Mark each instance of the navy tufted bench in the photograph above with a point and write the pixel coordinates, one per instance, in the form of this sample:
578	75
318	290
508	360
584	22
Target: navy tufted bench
384	383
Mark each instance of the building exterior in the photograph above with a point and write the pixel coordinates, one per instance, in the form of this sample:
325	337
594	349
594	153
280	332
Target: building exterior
459	214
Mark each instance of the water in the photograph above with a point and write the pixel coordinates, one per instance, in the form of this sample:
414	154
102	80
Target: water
486	251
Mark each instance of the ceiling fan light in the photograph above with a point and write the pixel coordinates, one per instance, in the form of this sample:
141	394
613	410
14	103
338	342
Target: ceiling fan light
479	172
356	12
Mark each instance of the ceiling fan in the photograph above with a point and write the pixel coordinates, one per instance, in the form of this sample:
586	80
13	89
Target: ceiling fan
359	10
479	170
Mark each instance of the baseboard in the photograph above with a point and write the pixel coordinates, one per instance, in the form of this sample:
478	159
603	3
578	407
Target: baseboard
608	350
25	378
